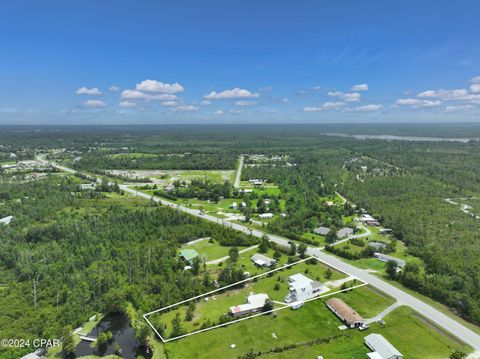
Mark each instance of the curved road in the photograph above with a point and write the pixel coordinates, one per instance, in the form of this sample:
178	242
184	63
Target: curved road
435	316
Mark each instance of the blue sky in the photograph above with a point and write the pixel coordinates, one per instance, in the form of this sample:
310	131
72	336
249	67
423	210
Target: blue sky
244	61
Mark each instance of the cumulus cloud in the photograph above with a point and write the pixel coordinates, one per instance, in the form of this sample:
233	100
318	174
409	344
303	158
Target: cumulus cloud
230	94
114	88
475	88
417	103
458	108
186	108
218	112
206	102
285	100
317	88
138	95
367	108
245	103
475	80
325	107
445	95
127	104
169	103
157	86
88	91
95	103
360	87
349	96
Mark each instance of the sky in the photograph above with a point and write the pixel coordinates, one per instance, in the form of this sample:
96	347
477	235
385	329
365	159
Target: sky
262	61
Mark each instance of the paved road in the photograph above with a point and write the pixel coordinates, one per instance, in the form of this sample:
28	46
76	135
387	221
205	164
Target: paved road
434	315
384	313
239	173
367	233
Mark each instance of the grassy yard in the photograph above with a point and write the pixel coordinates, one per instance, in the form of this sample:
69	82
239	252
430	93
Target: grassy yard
210	249
219	303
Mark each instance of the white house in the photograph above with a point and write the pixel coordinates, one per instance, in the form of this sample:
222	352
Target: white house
255	303
263	261
303	288
265	215
382	349
6	220
386	258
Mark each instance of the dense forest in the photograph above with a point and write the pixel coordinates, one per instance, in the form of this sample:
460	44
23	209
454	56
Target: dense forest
66	256
79	251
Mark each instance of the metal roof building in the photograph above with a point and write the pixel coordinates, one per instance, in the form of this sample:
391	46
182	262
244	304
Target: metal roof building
350	317
188	254
381	347
262	261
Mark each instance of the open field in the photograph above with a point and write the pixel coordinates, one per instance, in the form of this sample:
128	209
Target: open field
209	249
166	177
209	310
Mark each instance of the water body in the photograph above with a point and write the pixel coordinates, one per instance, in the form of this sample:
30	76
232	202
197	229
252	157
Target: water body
404	138
123	334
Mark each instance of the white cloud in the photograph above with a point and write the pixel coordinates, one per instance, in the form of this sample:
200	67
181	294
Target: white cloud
88	91
360	87
138	95
157	86
417	103
458	108
95	103
367	108
475	80
206	102
325	107
349	96
229	94
475	88
169	103
285	100
114	88
445	95
127	104
245	103
186	108
317	88
219	113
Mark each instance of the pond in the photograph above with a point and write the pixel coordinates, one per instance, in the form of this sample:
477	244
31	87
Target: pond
122	333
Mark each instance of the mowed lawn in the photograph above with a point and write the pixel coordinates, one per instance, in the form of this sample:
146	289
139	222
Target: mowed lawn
315	321
209	249
218	304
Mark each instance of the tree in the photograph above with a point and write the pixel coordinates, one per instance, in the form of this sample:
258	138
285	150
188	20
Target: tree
293	249
391	269
328	273
331	236
233	253
196	265
302	249
457	354
277	255
68	343
263	247
190	311
177	328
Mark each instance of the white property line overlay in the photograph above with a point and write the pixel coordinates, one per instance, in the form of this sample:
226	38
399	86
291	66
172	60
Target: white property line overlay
251	316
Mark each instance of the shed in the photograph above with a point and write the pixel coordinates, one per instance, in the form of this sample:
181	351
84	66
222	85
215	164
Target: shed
350	317
382	347
6	220
262	261
188	254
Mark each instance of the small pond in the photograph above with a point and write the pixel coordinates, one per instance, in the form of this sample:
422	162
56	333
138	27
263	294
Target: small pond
123	334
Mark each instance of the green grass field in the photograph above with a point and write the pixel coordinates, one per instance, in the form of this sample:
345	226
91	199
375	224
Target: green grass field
210	249
218	304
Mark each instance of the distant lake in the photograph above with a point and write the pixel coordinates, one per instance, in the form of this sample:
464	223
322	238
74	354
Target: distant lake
123	334
404	138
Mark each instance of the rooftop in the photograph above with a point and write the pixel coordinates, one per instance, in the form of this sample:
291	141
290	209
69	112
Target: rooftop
382	346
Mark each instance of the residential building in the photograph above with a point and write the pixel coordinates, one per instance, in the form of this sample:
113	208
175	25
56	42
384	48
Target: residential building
263	261
265	215
382	349
188	254
255	303
345	232
323	231
346	314
385	231
377	245
386	258
6	220
303	288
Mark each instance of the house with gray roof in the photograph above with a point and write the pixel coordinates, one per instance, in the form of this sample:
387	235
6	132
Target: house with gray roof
382	349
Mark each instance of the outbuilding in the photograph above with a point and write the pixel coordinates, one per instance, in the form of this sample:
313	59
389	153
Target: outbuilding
188	254
262	261
323	231
382	349
346	314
